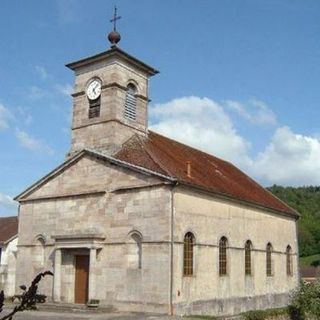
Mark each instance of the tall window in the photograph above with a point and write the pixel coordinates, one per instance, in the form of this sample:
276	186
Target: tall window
131	102
38	252
247	258
223	256
289	260
135	251
269	260
94	108
188	244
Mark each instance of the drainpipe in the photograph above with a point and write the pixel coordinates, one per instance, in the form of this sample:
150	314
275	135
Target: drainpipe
171	249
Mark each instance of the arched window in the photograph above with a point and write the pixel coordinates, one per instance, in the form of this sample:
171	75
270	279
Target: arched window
289	260
131	102
188	244
135	251
38	252
269	260
247	258
223	256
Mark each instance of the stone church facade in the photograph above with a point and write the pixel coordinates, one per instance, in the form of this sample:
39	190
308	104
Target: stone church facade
144	223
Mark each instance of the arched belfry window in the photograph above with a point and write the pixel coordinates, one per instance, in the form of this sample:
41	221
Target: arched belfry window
269	259
135	251
188	244
131	102
247	258
223	243
289	260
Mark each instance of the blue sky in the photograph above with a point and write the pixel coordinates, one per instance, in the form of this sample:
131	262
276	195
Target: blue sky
239	79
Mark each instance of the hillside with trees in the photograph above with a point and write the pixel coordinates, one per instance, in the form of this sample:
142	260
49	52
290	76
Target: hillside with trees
306	200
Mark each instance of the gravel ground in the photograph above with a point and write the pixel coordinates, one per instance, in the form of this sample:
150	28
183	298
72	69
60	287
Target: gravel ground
55	315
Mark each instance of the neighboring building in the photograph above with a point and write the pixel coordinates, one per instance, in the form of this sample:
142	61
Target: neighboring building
142	222
8	253
309	274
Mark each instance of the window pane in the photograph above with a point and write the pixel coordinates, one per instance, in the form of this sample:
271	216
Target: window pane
268	260
289	261
223	256
248	258
188	254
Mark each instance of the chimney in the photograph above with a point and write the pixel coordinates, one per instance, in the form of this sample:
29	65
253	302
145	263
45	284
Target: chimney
189	169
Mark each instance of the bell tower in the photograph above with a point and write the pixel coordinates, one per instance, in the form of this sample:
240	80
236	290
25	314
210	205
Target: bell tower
110	99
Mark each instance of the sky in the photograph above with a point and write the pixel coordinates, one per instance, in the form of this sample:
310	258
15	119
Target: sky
238	79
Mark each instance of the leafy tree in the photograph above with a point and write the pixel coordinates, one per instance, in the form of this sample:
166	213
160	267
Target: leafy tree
305	200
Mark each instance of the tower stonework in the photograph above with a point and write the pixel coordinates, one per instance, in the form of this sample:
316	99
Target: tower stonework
116	71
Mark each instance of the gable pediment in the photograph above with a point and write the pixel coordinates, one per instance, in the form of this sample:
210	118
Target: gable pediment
88	173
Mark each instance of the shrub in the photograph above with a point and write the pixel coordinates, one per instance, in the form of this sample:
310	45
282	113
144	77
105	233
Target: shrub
305	301
264	314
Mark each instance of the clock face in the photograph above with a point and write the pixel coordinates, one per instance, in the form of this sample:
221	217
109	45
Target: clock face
94	89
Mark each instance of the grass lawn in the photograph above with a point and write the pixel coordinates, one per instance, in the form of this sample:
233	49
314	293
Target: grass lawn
310	260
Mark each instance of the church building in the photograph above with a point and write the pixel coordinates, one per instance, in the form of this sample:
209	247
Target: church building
141	222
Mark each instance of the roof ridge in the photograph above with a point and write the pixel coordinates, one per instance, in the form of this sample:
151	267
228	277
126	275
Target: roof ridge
138	138
154	159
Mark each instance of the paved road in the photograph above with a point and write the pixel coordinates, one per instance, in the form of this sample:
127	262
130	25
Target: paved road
48	315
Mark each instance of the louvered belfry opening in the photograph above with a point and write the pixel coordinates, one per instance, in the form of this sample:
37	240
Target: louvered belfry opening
130	103
94	108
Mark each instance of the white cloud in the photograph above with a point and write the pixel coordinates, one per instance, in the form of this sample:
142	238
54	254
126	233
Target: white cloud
36	93
202	123
289	159
24	116
68	11
42	72
31	143
254	111
65	89
5	117
7	205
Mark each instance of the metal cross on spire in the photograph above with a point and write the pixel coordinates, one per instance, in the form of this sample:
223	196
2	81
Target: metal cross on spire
115	18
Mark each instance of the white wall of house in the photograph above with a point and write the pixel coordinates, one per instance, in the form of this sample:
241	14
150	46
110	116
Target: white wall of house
8	267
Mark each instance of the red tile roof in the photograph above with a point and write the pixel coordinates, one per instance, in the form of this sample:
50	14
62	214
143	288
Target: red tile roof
169	157
8	228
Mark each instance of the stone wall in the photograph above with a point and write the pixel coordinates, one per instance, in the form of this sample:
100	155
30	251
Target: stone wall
99	133
209	219
83	199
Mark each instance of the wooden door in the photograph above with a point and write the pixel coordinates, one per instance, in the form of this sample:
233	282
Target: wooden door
81	279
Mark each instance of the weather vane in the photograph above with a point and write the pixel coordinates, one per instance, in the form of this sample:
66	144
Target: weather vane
115	18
